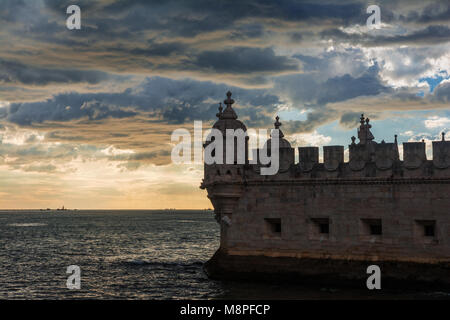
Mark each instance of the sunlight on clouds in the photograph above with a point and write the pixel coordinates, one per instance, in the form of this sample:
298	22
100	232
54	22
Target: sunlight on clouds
112	151
83	185
309	139
437	122
21	137
4	104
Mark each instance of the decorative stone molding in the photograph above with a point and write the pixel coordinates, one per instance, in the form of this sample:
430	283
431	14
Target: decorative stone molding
309	157
358	157
385	155
333	156
441	154
413	154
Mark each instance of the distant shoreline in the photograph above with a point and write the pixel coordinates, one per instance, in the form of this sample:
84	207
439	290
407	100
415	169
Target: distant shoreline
66	210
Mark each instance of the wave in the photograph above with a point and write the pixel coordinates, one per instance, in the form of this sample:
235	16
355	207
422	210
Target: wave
141	262
27	224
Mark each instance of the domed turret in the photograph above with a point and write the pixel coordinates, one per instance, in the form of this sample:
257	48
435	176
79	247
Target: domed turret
285	151
282	143
228	117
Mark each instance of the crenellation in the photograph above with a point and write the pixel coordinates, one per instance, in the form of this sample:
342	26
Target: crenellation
333	157
414	154
308	158
441	153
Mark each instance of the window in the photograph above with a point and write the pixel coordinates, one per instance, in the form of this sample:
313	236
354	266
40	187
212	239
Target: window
429	230
319	228
324	228
425	231
372	227
375	229
273	227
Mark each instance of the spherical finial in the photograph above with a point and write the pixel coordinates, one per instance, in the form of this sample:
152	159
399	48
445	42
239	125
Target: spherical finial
229	101
277	123
353	139
362	118
367	120
220	111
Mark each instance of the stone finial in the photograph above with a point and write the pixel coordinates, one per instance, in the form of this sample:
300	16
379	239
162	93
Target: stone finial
364	134
277	125
353	140
423	140
220	111
443	136
229	113
395	139
229	102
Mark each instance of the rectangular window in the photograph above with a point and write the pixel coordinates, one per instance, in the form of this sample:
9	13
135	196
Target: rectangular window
425	231
375	229
324	228
273	227
429	230
372	227
319	228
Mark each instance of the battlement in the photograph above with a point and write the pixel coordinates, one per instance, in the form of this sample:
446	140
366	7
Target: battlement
366	159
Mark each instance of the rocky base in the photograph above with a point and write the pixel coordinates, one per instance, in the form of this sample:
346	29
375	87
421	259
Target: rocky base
350	273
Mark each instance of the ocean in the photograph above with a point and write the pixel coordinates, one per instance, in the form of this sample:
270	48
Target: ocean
134	255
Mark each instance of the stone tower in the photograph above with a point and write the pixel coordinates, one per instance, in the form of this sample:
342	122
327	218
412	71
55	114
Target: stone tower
225	195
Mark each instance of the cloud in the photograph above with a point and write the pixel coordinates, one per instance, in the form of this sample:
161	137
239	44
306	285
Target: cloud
434	34
94	108
243	60
64	107
15	72
437	122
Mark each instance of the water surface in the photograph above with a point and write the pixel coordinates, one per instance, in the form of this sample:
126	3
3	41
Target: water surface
131	255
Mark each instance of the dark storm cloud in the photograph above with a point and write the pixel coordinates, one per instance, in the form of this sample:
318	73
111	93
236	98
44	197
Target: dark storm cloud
350	119
64	107
313	120
173	101
308	89
243	60
347	87
189	18
15	72
432	13
160	49
442	92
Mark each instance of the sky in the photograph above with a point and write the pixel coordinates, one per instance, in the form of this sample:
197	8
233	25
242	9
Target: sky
86	115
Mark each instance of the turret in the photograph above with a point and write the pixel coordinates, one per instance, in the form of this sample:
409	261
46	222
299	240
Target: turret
222	178
285	151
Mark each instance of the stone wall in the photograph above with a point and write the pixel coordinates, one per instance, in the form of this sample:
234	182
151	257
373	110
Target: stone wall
349	208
